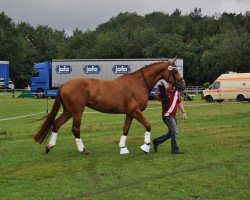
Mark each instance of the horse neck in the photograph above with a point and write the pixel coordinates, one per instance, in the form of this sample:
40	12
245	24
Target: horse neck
154	73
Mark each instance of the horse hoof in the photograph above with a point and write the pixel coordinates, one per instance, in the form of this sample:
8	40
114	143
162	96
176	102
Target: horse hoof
85	151
145	148
124	150
47	150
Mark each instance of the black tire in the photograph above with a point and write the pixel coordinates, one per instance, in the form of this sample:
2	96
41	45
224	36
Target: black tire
241	97
40	93
209	98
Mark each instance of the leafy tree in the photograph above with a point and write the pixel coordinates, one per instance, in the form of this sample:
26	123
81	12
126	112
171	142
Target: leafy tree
161	22
80	43
120	21
166	46
196	15
13	49
209	46
107	46
235	48
49	43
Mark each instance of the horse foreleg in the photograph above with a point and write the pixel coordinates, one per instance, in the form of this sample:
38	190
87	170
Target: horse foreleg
140	118
63	118
122	144
76	131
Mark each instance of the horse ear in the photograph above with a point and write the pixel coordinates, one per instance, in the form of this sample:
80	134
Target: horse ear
173	61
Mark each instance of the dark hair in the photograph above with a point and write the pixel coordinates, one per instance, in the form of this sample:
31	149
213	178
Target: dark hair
163	96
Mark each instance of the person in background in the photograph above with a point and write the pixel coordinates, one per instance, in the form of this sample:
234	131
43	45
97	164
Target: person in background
170	101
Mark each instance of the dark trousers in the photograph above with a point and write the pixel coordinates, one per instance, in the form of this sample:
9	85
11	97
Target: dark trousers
172	133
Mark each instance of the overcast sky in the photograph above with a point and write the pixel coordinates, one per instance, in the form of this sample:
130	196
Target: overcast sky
88	14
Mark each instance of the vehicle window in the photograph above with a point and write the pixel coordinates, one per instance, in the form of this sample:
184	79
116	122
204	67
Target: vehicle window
215	85
35	73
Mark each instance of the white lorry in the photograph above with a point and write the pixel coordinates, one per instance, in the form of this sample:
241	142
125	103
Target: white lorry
232	86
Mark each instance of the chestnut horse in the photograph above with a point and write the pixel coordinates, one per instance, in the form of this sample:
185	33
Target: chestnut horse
127	94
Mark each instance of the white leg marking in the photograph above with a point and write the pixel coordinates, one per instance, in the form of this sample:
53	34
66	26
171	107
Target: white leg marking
123	141
52	141
122	145
147	137
146	147
79	144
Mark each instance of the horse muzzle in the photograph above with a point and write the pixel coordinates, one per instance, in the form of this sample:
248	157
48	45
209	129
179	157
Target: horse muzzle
180	85
182	88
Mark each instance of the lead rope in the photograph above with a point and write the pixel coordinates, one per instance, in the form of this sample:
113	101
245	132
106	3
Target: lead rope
145	80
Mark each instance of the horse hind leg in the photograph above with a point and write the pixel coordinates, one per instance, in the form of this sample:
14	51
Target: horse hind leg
63	118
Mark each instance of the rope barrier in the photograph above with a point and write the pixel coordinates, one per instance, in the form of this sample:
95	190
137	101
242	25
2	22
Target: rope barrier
94	112
6	92
19	117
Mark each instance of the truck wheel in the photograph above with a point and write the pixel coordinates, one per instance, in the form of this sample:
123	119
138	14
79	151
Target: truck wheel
240	97
209	98
40	93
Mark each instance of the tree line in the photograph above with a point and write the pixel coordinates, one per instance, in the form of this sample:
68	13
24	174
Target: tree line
209	45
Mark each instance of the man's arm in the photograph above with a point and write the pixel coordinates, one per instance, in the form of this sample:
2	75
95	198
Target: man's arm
181	107
157	94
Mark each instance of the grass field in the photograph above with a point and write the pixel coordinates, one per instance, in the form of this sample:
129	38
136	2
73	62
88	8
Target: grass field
215	137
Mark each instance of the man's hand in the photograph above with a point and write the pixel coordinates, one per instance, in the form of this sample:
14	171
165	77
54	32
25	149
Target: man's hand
184	116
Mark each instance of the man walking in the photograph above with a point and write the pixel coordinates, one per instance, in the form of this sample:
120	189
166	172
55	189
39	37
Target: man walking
170	101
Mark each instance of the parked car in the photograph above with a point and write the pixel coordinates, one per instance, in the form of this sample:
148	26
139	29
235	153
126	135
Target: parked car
11	85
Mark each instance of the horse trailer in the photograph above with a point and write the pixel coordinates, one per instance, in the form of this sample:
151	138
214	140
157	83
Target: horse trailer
233	86
47	76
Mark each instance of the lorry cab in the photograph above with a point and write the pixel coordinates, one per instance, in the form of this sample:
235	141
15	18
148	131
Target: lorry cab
233	86
40	79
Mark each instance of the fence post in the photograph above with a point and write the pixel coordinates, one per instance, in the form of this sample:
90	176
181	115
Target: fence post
47	101
13	93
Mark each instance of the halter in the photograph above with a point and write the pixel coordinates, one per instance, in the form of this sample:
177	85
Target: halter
175	84
177	81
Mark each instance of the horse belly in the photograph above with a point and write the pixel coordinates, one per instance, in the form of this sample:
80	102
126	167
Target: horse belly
107	103
106	107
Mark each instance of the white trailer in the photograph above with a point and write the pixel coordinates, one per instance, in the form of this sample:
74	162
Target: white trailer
64	70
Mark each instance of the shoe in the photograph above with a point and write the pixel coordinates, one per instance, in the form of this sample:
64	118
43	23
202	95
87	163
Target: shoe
178	152
155	145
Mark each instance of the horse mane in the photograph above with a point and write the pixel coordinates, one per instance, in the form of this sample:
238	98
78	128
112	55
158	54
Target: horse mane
146	66
152	64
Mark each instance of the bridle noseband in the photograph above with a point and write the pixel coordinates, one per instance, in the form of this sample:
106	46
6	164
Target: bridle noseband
176	84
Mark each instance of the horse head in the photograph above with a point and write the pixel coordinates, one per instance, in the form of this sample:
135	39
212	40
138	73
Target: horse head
173	76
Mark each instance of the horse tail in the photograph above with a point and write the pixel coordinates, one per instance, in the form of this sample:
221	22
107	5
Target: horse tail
45	128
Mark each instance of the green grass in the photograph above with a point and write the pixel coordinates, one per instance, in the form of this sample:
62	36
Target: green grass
216	166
